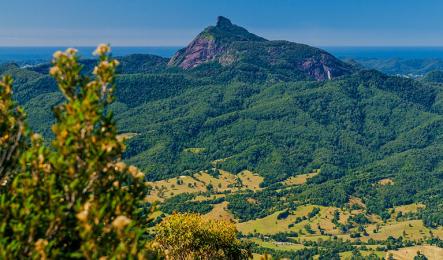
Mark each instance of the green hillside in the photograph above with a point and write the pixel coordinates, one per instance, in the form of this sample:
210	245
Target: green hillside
260	113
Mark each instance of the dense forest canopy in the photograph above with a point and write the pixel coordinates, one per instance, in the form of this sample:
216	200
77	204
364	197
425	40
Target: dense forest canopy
275	108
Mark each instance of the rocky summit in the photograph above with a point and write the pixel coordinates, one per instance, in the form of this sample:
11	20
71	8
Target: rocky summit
231	45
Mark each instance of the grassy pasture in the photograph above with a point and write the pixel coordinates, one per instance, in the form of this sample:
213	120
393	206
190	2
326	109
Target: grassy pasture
348	254
277	245
195	150
250	180
271	225
199	182
409	229
220	212
299	179
164	189
415	207
408	253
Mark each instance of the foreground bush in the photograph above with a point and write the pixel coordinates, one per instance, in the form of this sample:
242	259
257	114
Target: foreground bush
12	132
75	198
191	236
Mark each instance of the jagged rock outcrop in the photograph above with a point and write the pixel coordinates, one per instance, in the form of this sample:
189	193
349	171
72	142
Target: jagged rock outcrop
211	43
229	44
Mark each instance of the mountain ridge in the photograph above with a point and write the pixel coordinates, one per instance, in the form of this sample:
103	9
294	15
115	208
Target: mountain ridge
230	45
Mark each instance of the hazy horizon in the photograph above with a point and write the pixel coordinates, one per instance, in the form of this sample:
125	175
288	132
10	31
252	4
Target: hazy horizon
174	23
31	55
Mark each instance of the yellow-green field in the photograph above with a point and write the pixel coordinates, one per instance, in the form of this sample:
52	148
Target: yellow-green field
321	224
300	179
277	245
199	182
408	253
220	212
250	180
195	150
409	229
348	254
271	225
409	208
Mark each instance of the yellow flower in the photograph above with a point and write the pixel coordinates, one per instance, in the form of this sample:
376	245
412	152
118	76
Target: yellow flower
140	175
135	172
57	54
82	216
54	71
102	49
40	246
36	137
72	51
132	170
121	222
120	166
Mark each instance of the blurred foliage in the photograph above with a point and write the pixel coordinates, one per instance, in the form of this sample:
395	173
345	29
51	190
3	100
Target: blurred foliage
75	198
192	236
13	133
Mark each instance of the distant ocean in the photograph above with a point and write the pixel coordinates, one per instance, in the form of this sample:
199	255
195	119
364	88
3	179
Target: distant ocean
32	55
44	54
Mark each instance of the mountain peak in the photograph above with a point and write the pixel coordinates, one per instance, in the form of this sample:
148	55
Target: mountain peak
223	22
228	44
211	43
227	32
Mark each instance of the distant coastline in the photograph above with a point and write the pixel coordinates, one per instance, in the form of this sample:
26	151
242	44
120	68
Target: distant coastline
24	55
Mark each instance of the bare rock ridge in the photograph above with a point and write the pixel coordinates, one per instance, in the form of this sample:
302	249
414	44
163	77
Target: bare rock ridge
211	44
223	22
229	44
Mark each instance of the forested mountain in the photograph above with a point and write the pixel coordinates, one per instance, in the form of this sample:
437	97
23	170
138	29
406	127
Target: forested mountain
414	68
234	47
234	101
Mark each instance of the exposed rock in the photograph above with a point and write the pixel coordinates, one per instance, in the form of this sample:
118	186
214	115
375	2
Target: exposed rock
223	22
229	44
211	43
200	50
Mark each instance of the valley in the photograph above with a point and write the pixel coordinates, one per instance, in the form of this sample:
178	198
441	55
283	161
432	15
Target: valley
309	156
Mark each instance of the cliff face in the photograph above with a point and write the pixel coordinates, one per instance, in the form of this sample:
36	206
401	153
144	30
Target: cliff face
326	67
210	44
199	51
229	44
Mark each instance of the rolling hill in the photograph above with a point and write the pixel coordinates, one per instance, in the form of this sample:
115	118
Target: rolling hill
232	102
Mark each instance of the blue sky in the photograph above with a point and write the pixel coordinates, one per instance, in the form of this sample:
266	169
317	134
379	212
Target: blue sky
175	22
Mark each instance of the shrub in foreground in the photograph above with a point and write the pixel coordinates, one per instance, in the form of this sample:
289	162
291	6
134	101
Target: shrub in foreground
74	198
192	236
12	132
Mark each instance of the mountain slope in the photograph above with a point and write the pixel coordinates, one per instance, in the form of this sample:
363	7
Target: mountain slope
211	43
265	112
